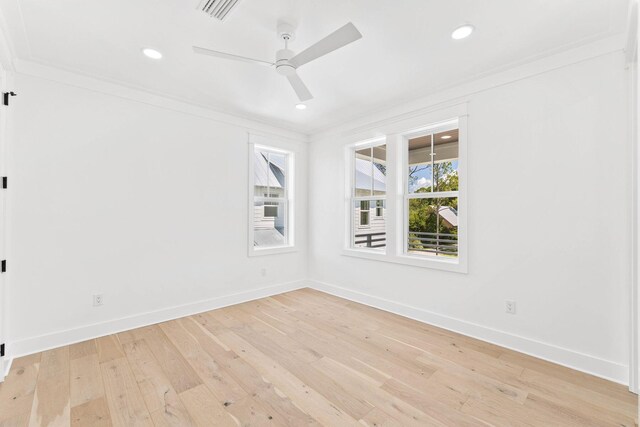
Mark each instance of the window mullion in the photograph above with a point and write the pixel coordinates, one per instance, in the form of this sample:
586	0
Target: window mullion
268	174
436	195
433	169
372	166
364	198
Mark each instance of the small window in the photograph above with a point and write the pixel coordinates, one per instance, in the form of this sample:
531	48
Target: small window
271	211
272	202
379	208
364	212
368	195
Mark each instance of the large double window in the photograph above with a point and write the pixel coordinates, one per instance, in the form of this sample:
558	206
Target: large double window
406	200
271	201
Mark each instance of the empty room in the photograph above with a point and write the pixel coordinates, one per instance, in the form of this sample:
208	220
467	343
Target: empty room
328	213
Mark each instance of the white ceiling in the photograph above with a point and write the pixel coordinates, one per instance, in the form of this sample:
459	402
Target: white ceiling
406	51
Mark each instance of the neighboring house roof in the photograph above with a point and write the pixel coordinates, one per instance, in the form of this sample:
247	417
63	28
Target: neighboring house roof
363	176
449	215
264	176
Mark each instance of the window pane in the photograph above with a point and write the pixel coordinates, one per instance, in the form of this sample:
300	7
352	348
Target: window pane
278	167
433	227
370	171
445	167
369	228
269	222
379	172
433	162
269	171
363	165
261	173
420	168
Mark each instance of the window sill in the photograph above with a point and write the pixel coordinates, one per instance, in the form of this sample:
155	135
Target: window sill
437	264
272	251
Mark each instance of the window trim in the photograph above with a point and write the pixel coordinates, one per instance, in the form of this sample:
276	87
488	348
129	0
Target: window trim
288	200
395	137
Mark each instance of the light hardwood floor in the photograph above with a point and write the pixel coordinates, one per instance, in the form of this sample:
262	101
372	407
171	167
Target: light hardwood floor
301	358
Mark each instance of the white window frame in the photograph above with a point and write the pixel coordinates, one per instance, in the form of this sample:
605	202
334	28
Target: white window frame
407	196
352	198
288	200
396	135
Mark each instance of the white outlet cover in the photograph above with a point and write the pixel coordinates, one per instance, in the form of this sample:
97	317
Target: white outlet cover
510	307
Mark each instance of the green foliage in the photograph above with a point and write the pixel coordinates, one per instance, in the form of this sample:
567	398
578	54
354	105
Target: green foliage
423	213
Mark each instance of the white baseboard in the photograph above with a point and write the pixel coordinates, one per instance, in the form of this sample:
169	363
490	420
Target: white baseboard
562	356
5	369
70	336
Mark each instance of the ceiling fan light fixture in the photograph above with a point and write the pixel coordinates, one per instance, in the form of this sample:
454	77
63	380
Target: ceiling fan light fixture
301	106
151	53
462	32
287	62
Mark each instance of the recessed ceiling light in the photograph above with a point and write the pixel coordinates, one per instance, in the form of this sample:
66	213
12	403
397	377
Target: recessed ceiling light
445	137
462	32
301	106
151	53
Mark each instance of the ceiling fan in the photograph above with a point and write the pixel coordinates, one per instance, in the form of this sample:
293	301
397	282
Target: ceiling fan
287	62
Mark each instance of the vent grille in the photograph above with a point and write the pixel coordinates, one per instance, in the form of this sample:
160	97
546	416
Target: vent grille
218	9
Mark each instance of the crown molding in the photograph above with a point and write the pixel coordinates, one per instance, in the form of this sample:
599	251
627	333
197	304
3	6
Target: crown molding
560	57
460	92
117	89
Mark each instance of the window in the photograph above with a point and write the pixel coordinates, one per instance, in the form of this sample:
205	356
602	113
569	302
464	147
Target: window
270	211
368	188
431	195
406	192
271	172
379	208
364	212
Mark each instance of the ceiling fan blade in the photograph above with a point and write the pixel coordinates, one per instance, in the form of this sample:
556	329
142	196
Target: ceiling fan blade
301	89
334	41
209	52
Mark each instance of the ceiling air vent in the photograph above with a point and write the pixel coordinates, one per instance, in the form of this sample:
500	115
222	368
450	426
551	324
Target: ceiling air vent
218	9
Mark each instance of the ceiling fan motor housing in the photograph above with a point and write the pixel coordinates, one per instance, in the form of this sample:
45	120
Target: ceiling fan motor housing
283	66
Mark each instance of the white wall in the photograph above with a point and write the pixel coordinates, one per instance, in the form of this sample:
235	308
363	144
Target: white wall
549	220
143	204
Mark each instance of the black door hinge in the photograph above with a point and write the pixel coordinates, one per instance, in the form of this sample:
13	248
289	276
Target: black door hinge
4	182
4	266
6	95
2	350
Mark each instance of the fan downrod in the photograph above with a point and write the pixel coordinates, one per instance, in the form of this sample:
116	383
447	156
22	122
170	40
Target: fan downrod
283	66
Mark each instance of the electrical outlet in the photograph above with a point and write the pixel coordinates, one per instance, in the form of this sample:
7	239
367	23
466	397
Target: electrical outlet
97	300
510	307
263	272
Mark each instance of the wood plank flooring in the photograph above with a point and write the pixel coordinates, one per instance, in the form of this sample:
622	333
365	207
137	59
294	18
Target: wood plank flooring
301	358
